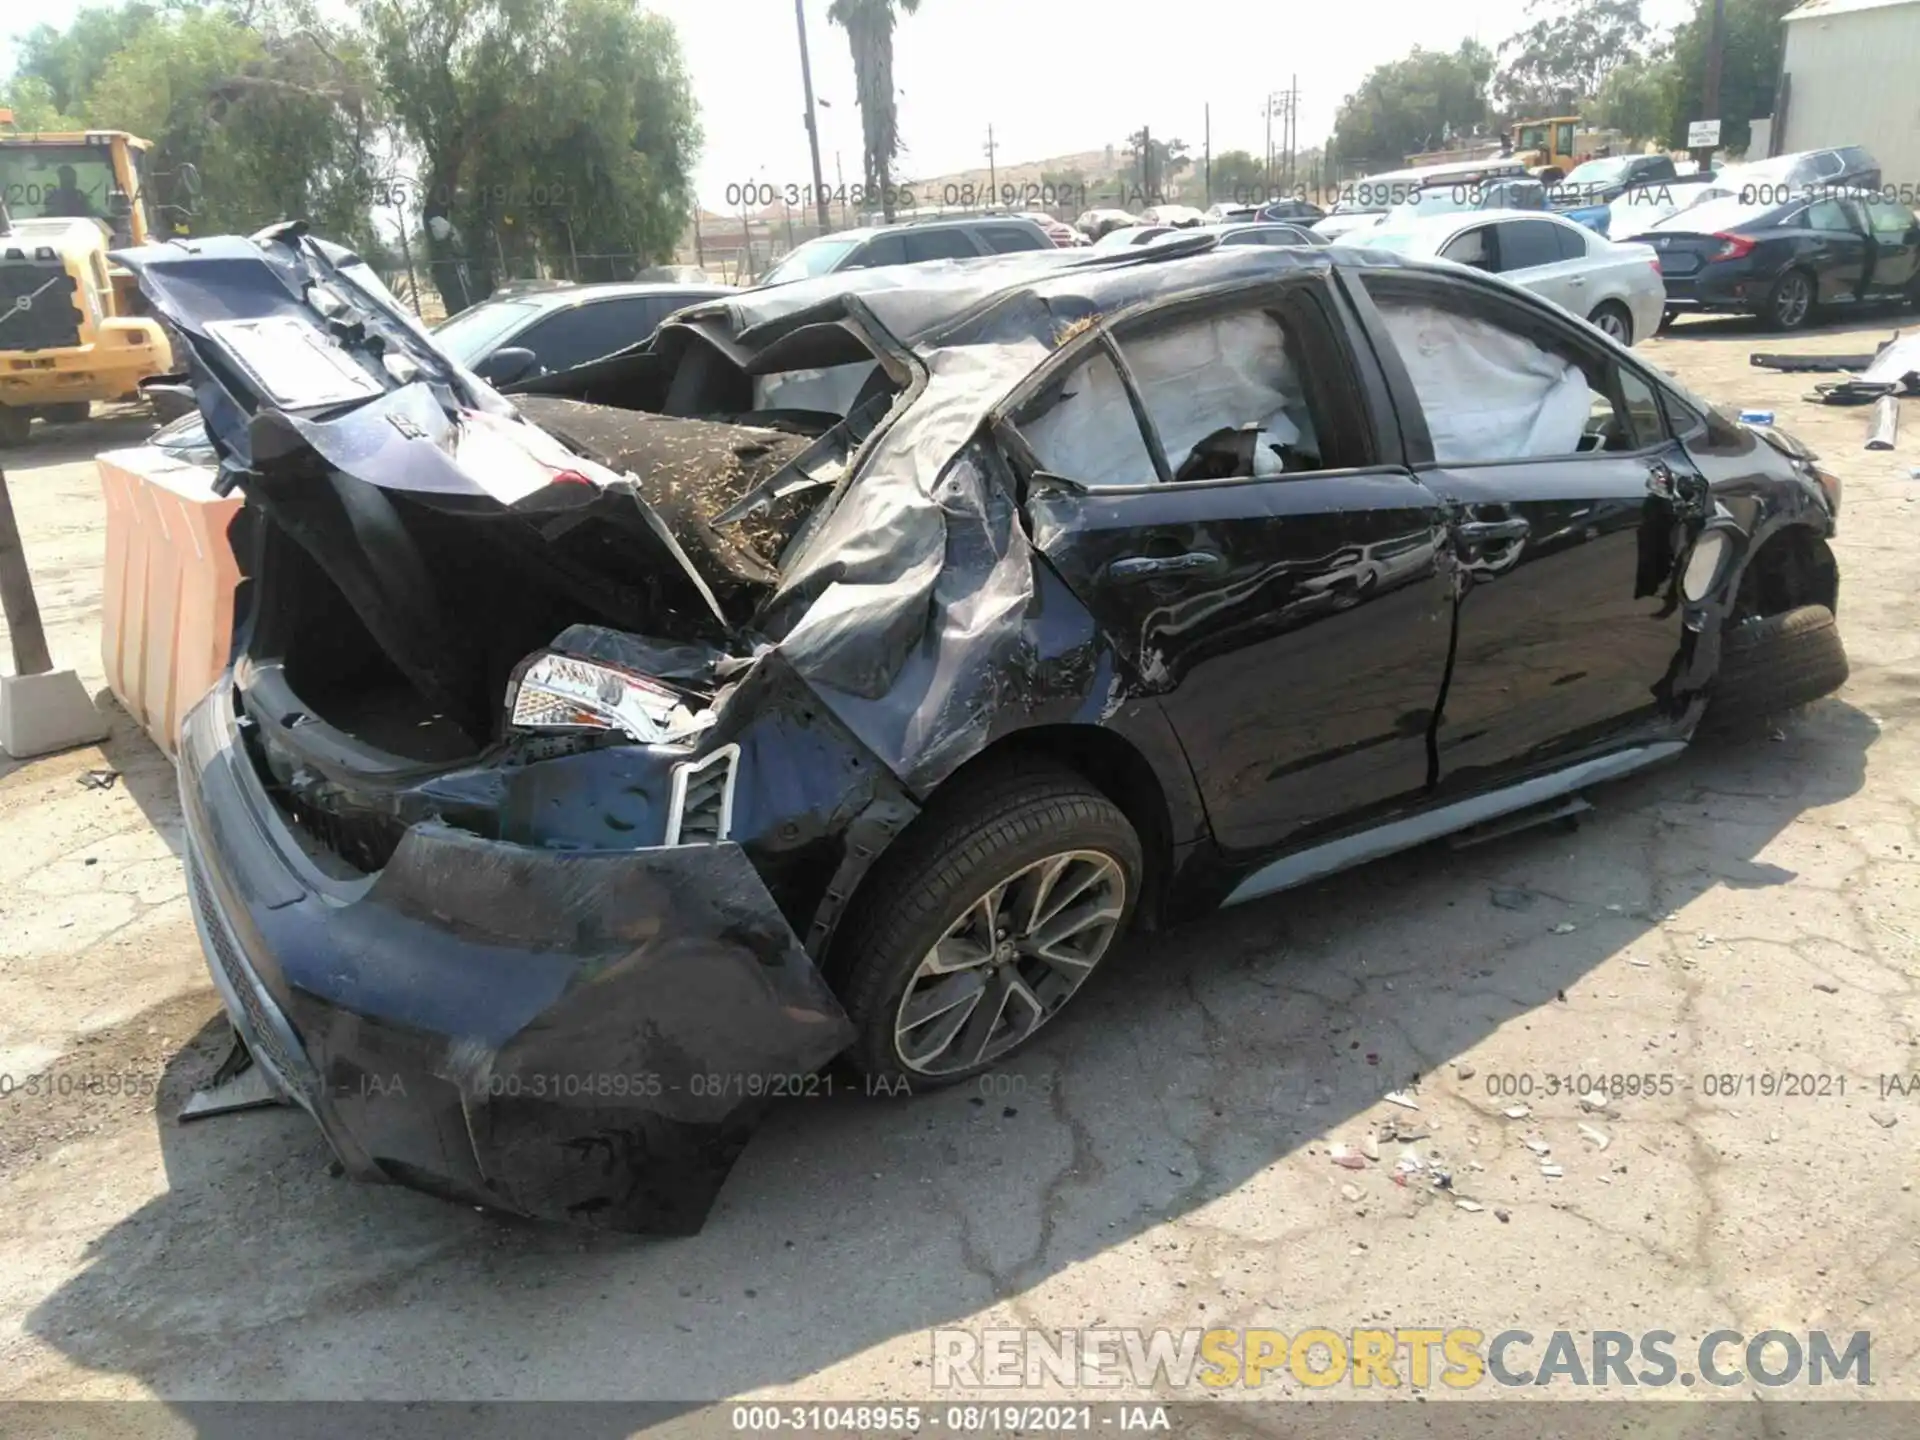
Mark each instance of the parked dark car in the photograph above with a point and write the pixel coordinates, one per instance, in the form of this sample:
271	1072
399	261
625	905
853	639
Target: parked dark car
1595	182
537	331
1801	175
909	243
1784	262
1304	211
599	762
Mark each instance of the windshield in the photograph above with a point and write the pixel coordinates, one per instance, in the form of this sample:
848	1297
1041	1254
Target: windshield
471	334
57	181
816	257
1599	172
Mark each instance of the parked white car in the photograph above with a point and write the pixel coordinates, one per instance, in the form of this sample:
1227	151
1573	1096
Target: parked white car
1616	287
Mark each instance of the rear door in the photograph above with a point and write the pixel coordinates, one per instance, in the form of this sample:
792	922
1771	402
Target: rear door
1548	258
1281	588
1568	497
1896	247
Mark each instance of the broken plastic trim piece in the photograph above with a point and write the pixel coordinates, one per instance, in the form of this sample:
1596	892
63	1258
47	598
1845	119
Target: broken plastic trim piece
551	691
700	805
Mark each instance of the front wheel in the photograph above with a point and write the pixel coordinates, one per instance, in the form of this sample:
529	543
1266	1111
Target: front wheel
1612	320
15	423
1771	663
76	412
1790	304
985	922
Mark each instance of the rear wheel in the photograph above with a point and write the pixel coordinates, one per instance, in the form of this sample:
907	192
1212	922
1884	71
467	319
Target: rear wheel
1611	319
1667	317
985	922
1774	662
1790	304
15	422
75	413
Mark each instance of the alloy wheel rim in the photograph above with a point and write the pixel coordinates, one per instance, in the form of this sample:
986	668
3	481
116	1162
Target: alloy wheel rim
1793	300
1611	326
1009	962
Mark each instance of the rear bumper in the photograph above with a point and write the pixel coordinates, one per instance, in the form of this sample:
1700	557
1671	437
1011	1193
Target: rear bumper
580	1036
1731	287
127	352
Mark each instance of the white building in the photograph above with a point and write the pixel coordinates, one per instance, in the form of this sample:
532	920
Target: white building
1847	78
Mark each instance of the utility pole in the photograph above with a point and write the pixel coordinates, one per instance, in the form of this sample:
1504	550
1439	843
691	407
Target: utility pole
1293	127
1207	141
993	175
813	129
1710	87
1146	163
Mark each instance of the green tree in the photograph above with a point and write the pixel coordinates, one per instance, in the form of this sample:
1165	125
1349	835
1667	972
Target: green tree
1749	69
1402	107
270	106
1638	98
30	98
1559	61
869	26
547	135
1238	177
1153	164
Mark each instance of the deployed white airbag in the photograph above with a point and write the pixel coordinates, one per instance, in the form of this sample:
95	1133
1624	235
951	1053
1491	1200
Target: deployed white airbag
830	391
1488	394
1213	374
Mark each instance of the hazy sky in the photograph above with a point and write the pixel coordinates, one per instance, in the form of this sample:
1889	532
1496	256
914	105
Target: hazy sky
1051	76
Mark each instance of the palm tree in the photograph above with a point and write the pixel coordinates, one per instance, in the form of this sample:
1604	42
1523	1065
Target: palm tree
869	27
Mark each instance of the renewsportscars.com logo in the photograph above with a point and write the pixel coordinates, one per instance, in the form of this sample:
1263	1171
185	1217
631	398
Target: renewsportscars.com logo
1457	1357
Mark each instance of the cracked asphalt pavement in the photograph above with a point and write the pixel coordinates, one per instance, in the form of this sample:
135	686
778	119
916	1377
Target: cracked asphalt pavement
1739	925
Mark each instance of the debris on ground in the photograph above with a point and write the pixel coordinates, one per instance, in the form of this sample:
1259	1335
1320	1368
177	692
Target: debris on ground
1345	1158
1516	1112
1636	960
1472	1207
1593	1102
1598	1137
1463	1072
1565	927
1537	1145
97	779
1402	1099
1506	899
1370	1146
1351	1191
1826	989
1885	1119
1552	1172
1502	1216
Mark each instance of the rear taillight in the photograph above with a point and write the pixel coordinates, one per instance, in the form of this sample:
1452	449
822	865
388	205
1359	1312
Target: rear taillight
1732	247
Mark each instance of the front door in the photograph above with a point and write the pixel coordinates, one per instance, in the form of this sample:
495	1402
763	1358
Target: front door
1255	564
1568	498
1896	248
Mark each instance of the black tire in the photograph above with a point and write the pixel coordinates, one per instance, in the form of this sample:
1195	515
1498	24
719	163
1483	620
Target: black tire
1782	309
77	412
1612	318
971	838
1775	662
1667	317
15	423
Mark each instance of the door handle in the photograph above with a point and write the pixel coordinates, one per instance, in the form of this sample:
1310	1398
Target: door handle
1482	532
1161	567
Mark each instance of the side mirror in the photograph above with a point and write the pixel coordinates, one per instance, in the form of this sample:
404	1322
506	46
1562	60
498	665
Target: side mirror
506	365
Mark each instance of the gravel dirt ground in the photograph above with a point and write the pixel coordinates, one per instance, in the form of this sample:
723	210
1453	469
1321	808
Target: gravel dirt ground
1161	1159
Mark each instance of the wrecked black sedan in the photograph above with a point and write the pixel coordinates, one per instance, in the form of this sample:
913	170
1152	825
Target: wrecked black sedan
844	670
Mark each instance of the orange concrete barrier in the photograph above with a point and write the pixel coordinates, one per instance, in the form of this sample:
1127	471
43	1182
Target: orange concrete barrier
166	622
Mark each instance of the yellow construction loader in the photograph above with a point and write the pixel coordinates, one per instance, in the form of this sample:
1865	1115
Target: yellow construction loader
73	326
